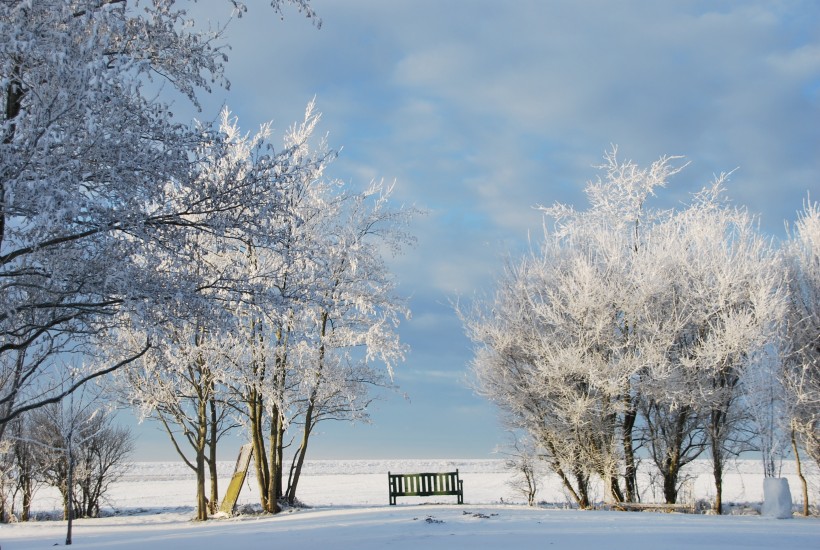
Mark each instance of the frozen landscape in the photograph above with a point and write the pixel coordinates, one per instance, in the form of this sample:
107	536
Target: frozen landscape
346	507
412	199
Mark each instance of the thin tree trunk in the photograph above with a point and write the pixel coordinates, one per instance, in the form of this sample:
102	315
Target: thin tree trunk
631	471
300	457
14	102
581	497
69	491
201	500
201	442
302	452
260	454
615	489
672	461
274	487
583	490
800	474
717	471
717	417
26	512
15	383
212	456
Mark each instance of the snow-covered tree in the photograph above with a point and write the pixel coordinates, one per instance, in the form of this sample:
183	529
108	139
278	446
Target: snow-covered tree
73	438
270	313
177	383
353	316
557	348
19	471
712	304
521	458
310	338
25	465
97	189
801	373
181	382
630	327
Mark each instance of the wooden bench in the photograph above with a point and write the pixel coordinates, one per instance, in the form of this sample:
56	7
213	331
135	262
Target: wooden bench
425	485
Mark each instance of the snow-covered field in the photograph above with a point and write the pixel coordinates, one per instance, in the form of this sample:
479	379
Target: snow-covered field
347	508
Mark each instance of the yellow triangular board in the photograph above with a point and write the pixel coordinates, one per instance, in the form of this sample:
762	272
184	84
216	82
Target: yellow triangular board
232	494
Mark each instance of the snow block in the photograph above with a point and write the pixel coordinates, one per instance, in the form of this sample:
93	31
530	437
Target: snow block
777	498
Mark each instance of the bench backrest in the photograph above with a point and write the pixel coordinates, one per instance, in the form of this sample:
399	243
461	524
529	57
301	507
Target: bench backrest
424	484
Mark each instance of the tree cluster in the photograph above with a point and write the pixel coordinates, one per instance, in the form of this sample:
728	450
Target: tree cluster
77	448
633	333
235	282
295	347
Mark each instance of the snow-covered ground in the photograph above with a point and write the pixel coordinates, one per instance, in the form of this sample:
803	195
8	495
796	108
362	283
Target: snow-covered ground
152	508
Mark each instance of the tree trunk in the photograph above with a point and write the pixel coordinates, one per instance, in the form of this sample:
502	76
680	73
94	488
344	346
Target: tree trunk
300	457
615	489
717	467
671	463
274	488
717	419
805	485
670	485
201	443
260	453
582	480
717	470
293	480
212	457
69	491
670	473
631	471
26	486
201	500
580	496
719	429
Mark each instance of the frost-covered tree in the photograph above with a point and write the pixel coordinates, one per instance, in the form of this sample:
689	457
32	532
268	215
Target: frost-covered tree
181	381
19	471
26	474
177	383
630	327
78	450
557	347
712	304
353	316
801	373
270	314
102	460
97	188
328	312
521	458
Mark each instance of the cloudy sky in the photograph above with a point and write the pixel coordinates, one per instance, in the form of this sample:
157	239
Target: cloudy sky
481	110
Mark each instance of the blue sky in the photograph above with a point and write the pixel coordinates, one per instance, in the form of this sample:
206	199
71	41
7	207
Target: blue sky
481	110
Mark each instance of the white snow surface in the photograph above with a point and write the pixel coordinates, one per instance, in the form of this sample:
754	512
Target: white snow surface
346	506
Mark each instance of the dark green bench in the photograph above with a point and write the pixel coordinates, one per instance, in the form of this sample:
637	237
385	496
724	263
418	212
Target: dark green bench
425	485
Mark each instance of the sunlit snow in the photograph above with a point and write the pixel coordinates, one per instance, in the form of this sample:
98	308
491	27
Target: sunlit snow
346	507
